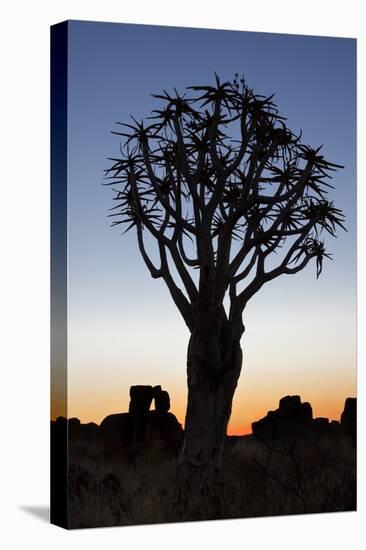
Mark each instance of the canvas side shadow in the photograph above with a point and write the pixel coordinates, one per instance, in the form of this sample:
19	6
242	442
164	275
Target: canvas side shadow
40	512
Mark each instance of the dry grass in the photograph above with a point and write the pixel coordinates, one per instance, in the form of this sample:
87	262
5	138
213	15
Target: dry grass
258	481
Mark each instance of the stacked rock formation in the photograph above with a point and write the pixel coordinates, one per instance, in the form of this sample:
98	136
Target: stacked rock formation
291	418
132	433
294	420
142	396
142	428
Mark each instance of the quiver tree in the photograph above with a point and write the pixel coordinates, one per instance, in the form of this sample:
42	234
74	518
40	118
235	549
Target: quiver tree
232	199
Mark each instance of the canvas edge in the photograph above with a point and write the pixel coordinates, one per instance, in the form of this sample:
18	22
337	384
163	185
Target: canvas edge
59	430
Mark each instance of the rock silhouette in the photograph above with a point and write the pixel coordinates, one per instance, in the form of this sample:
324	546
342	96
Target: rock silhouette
294	420
290	407
161	400
113	466
141	398
292	417
130	434
118	426
141	428
349	418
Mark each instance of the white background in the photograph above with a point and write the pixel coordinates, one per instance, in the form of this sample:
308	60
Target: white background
24	272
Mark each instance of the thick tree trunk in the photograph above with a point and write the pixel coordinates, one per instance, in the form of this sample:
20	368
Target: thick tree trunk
213	368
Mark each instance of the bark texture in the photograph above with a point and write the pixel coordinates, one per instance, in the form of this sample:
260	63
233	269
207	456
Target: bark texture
214	363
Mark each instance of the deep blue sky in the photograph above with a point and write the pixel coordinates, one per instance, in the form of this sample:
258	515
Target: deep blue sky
112	70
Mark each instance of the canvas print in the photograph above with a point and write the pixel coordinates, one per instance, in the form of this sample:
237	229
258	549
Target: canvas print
203	274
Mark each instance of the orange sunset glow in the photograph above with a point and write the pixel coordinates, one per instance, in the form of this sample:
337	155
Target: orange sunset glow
303	355
123	328
323	374
203	275
251	402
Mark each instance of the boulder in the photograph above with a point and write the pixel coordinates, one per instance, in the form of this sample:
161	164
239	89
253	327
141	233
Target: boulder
163	430
161	400
289	403
290	421
290	407
293	421
141	398
307	411
118	426
132	433
335	427
321	425
73	422
349	418
128	432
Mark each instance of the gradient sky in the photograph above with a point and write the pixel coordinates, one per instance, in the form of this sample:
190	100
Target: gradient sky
123	328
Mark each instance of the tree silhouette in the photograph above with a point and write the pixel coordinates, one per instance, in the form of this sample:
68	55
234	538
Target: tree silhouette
231	198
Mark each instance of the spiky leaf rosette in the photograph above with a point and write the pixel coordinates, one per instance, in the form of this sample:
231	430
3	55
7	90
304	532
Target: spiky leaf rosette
222	185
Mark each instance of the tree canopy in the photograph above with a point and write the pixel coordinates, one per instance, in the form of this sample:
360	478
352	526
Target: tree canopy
223	186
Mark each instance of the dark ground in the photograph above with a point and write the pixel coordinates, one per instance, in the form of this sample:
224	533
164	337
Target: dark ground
291	464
